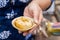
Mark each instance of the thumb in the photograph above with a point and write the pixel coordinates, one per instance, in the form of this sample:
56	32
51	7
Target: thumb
34	28
40	16
36	17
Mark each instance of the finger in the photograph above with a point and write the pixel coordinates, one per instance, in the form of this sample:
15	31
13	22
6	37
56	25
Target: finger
25	33
19	32
30	31
43	31
34	32
27	12
34	28
40	16
36	13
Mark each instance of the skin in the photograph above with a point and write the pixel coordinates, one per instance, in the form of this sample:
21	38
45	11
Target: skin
34	10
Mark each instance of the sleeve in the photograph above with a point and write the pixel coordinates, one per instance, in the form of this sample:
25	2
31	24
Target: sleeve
52	0
50	4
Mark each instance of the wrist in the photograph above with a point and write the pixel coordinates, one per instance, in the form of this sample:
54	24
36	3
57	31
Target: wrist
44	4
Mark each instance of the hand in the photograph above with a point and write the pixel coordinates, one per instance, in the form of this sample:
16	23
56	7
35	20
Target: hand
34	11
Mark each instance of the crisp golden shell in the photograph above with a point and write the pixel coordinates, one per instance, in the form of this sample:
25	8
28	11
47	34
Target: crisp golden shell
23	23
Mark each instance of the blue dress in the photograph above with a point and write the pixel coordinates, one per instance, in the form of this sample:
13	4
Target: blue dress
8	11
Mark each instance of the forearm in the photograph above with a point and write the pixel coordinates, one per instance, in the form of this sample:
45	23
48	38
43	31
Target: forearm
44	4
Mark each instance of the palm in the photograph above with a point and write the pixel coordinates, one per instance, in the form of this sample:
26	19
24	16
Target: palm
34	11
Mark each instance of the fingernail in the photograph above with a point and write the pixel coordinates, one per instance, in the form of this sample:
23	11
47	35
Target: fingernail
24	34
36	21
19	31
